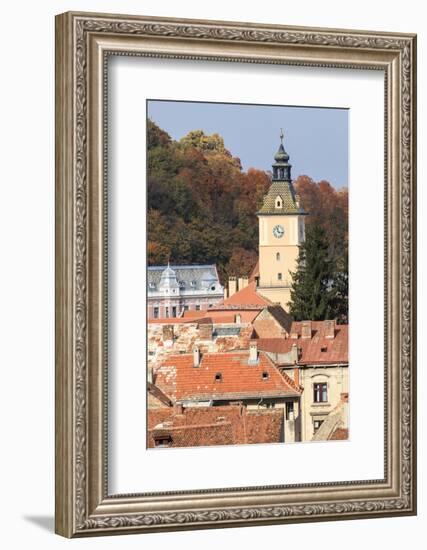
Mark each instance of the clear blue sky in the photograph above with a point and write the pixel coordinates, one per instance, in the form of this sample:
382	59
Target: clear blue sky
315	138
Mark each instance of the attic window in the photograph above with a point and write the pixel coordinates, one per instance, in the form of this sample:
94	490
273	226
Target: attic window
265	375
152	285
193	283
181	284
163	441
218	377
324	348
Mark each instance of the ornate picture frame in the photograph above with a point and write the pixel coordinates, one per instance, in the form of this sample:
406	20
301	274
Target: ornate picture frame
84	42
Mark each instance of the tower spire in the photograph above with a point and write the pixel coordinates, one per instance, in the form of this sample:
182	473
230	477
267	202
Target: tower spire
281	168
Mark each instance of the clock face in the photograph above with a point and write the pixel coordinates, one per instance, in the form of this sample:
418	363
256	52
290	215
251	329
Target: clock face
278	231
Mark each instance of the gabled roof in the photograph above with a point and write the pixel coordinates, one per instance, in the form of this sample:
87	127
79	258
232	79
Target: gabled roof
238	379
315	350
247	296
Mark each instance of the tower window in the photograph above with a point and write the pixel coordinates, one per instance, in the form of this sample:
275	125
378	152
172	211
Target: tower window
278	256
279	201
279	276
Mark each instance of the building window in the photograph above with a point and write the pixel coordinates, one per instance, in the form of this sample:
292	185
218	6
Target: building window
166	312
218	377
278	256
185	308
279	276
289	410
320	392
193	283
156	312
317	424
174	311
163	441
197	308
213	288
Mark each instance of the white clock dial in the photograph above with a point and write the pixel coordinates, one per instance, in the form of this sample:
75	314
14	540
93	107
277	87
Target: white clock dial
278	231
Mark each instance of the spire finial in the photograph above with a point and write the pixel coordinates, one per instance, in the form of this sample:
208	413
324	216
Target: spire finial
282	135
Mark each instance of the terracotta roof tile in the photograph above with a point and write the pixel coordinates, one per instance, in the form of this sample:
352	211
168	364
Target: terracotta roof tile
221	425
315	350
247	296
178	378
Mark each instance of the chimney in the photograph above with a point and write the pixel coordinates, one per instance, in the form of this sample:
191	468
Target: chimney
296	375
150	375
238	318
179	408
196	357
294	353
294	332
253	352
232	286
306	329
205	331
243	282
329	329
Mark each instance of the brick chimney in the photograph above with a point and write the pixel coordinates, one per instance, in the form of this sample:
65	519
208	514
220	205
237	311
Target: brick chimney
196	357
253	352
238	318
329	329
305	329
296	375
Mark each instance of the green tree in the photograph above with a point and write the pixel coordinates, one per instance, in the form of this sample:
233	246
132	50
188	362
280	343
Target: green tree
314	293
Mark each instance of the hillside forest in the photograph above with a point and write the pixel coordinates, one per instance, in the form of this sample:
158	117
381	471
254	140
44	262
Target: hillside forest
202	206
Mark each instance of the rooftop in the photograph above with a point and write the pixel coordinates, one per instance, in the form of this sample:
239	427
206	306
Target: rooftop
222	376
222	425
319	348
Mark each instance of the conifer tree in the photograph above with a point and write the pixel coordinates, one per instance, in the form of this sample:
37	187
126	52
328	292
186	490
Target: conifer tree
314	293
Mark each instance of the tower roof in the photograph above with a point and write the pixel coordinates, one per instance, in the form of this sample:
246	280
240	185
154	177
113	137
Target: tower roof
286	191
282	187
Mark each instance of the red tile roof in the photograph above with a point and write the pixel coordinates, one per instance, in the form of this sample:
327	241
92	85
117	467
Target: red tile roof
221	425
222	315
315	350
179	379
247	296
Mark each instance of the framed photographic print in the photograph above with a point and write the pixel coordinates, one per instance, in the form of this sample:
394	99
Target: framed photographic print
235	274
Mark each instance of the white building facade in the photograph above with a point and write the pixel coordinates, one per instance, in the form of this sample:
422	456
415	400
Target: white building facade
171	290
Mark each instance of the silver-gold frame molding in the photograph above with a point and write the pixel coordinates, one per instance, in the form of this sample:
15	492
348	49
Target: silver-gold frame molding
83	43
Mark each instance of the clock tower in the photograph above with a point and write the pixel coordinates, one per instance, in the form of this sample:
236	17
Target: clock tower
281	231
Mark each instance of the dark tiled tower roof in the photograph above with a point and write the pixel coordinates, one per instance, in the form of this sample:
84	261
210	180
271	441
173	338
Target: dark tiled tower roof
282	187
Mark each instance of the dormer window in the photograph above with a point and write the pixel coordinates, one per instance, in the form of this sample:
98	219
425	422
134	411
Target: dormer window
265	375
151	285
279	202
218	377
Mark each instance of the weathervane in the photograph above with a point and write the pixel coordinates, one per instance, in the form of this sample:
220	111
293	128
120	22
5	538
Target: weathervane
281	136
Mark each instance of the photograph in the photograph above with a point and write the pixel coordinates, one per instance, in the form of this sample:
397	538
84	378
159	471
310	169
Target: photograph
247	274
